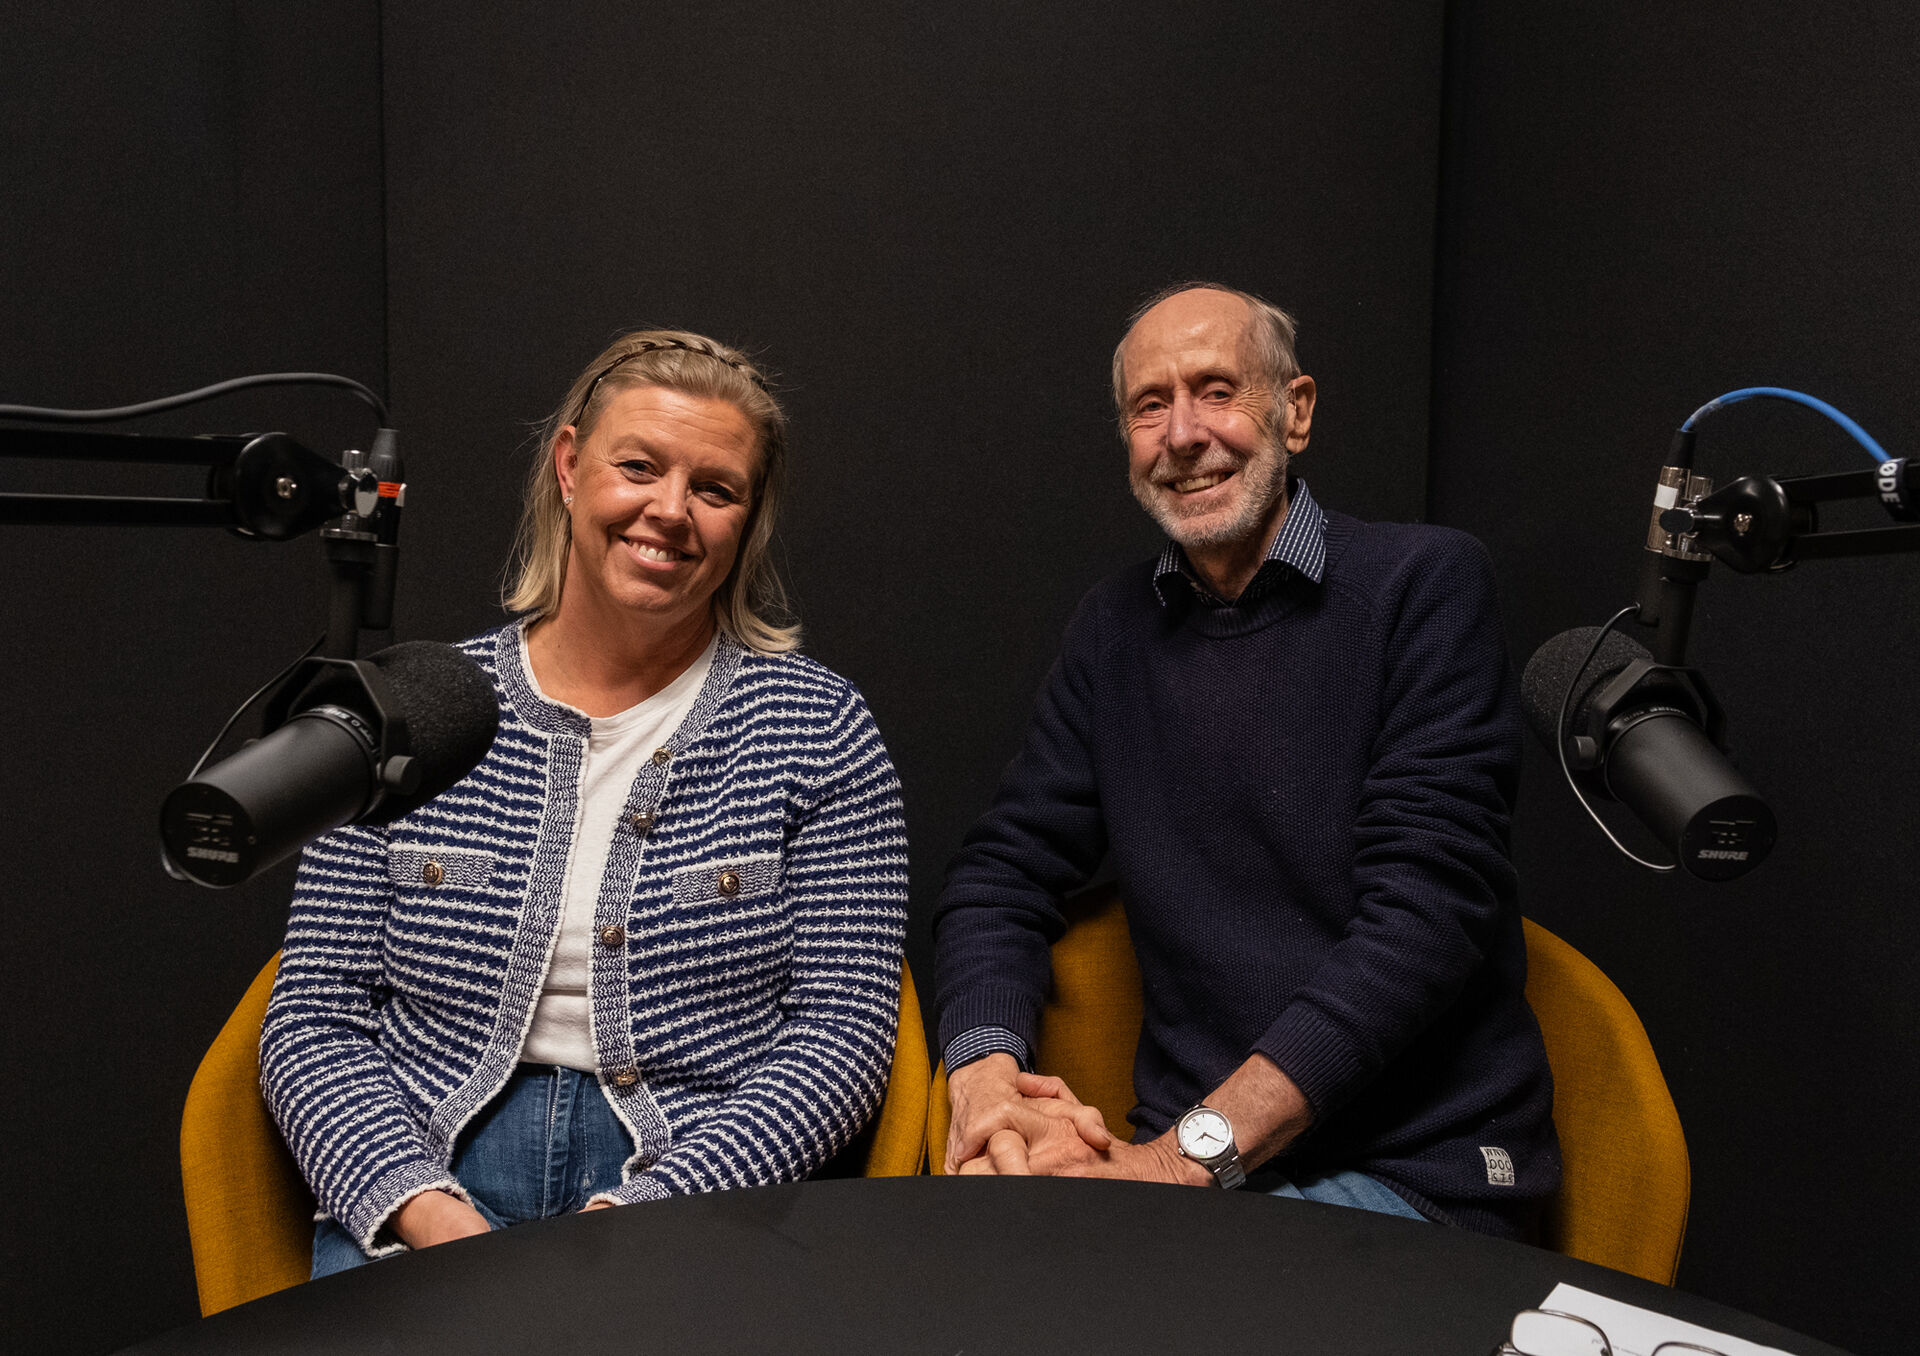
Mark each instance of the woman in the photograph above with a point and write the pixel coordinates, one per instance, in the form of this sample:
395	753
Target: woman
651	945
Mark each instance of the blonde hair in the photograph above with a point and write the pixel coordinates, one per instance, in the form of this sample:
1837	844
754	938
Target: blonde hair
750	605
1271	336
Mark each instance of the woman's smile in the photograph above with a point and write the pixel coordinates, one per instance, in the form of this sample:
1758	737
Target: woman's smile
654	554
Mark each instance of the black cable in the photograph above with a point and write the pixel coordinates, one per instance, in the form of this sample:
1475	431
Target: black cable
1560	739
174	402
247	705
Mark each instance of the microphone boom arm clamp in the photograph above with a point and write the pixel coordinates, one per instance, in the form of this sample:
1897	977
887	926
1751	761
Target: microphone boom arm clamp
1761	523
265	487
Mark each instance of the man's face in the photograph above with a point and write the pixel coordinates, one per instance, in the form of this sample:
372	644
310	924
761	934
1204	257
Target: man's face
1206	450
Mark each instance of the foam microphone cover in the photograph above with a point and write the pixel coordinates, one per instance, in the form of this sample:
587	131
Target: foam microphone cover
452	715
1543	685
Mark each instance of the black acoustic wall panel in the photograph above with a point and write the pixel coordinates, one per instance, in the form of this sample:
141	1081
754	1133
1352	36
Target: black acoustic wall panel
1646	206
190	192
931	223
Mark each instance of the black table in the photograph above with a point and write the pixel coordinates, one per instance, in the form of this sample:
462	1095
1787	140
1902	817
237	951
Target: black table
945	1266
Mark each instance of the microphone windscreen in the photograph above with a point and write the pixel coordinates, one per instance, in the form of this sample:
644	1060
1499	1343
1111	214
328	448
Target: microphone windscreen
1543	684
452	715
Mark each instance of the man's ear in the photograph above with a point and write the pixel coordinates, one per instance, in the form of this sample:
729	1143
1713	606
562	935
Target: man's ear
566	460
1297	402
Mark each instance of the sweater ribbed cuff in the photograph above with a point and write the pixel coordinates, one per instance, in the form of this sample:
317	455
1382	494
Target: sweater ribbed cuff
391	1190
1014	1010
1322	1062
982	1041
641	1188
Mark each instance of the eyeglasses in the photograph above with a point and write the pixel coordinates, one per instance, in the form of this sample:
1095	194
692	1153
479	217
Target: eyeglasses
1549	1332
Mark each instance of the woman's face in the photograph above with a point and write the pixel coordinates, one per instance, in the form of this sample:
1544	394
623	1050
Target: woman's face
660	493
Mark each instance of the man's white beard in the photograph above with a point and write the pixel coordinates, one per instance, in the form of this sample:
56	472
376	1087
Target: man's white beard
1262	481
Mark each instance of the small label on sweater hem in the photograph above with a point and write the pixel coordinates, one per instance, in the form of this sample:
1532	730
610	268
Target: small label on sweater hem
1499	1165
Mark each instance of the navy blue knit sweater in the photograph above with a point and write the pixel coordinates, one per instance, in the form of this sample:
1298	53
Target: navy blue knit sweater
1306	802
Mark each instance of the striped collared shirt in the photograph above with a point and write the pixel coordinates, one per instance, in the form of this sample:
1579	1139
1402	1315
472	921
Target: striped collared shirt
1298	548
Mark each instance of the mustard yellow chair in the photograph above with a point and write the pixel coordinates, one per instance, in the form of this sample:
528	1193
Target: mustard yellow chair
250	1215
1623	1197
1626	1180
249	1212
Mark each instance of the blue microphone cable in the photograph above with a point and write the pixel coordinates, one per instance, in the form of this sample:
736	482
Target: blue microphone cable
1859	434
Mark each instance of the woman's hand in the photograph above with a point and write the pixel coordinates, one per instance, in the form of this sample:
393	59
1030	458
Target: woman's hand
437	1217
596	1205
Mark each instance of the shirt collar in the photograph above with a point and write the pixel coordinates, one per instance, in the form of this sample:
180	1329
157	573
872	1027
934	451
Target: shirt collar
1299	547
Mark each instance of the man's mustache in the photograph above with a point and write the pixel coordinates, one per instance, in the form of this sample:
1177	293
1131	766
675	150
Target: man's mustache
1164	475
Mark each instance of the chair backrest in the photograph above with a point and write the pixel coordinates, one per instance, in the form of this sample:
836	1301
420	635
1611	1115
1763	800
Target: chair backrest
1623	1196
1090	1025
894	1144
250	1215
249	1212
1626	1181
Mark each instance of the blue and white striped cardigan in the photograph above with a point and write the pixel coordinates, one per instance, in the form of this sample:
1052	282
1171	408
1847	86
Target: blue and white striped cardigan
744	1025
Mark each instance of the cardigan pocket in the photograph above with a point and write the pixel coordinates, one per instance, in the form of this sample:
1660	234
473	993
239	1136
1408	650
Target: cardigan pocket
733	878
424	867
439	895
729	929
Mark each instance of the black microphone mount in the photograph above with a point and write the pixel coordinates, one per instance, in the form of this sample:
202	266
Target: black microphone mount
1753	524
266	487
348	728
1760	523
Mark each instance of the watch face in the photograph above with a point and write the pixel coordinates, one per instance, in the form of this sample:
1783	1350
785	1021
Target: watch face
1205	1133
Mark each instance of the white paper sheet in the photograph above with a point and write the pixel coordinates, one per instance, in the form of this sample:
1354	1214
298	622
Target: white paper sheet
1632	1331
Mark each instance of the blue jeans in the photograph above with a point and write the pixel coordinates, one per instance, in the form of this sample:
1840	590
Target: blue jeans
1349	1188
545	1145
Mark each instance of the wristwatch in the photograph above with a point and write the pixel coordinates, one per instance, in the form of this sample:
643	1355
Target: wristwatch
1206	1136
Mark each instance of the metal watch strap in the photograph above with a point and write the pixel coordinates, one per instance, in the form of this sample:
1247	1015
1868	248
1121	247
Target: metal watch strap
1228	1174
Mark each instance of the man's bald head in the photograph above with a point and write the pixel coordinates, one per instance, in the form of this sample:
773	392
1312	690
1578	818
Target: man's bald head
1268	341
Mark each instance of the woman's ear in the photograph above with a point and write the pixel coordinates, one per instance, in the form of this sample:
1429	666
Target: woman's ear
566	460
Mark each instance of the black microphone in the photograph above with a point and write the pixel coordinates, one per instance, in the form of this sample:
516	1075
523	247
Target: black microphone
366	742
1648	736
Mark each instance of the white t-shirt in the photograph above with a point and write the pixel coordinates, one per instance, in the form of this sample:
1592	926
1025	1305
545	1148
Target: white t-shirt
562	1029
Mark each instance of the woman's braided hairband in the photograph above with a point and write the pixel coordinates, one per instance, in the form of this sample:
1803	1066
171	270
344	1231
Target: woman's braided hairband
654	345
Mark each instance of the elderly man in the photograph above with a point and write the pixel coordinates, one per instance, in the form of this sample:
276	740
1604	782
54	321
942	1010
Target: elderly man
1294	736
